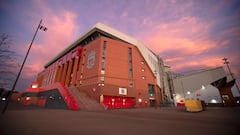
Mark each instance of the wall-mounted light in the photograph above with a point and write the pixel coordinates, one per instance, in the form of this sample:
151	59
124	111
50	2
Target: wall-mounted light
101	84
139	100
213	101
34	85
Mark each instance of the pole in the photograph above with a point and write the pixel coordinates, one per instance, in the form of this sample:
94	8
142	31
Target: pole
183	90
19	73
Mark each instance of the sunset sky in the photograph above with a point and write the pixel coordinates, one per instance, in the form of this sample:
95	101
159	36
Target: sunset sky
190	35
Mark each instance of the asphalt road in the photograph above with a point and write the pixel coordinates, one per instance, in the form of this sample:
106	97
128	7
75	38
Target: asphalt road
146	121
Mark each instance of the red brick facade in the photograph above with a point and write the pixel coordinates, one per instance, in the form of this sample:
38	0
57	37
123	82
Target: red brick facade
84	70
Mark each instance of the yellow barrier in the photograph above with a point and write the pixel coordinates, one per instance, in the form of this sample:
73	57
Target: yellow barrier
193	105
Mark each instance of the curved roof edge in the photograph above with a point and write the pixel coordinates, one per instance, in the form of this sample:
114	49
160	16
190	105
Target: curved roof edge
151	58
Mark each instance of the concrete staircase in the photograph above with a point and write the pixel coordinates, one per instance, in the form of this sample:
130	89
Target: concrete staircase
85	102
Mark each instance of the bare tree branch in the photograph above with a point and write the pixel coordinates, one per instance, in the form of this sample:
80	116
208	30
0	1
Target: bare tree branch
8	62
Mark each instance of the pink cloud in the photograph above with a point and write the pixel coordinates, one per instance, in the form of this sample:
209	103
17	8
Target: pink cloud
62	28
211	62
183	39
172	60
55	39
60	32
30	71
179	35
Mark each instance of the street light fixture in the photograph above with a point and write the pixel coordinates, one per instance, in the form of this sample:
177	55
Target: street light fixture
227	62
41	27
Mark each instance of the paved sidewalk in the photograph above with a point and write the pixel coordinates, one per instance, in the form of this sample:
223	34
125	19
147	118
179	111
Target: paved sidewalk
145	121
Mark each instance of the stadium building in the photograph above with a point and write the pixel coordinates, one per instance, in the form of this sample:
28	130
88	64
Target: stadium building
103	68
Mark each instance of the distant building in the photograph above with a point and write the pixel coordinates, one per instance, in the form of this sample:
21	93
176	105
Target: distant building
107	66
212	86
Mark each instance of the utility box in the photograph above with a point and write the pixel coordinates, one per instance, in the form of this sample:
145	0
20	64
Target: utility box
193	105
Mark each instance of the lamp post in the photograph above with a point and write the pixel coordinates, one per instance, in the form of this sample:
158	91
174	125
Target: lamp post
227	62
41	27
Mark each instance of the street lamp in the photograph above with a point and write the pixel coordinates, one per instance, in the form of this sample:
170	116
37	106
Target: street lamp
227	62
41	27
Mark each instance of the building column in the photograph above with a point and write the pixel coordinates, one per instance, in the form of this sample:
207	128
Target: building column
40	80
79	74
50	77
75	69
59	74
69	71
47	77
80	68
54	75
63	76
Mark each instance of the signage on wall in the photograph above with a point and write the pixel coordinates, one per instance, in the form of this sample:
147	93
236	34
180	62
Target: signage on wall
198	94
122	91
91	59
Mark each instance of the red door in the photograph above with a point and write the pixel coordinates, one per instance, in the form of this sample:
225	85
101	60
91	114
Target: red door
129	102
107	102
113	102
118	102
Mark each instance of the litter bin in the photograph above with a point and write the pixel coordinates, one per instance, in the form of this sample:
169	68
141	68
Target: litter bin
193	105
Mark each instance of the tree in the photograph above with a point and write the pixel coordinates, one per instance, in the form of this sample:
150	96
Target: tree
8	62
